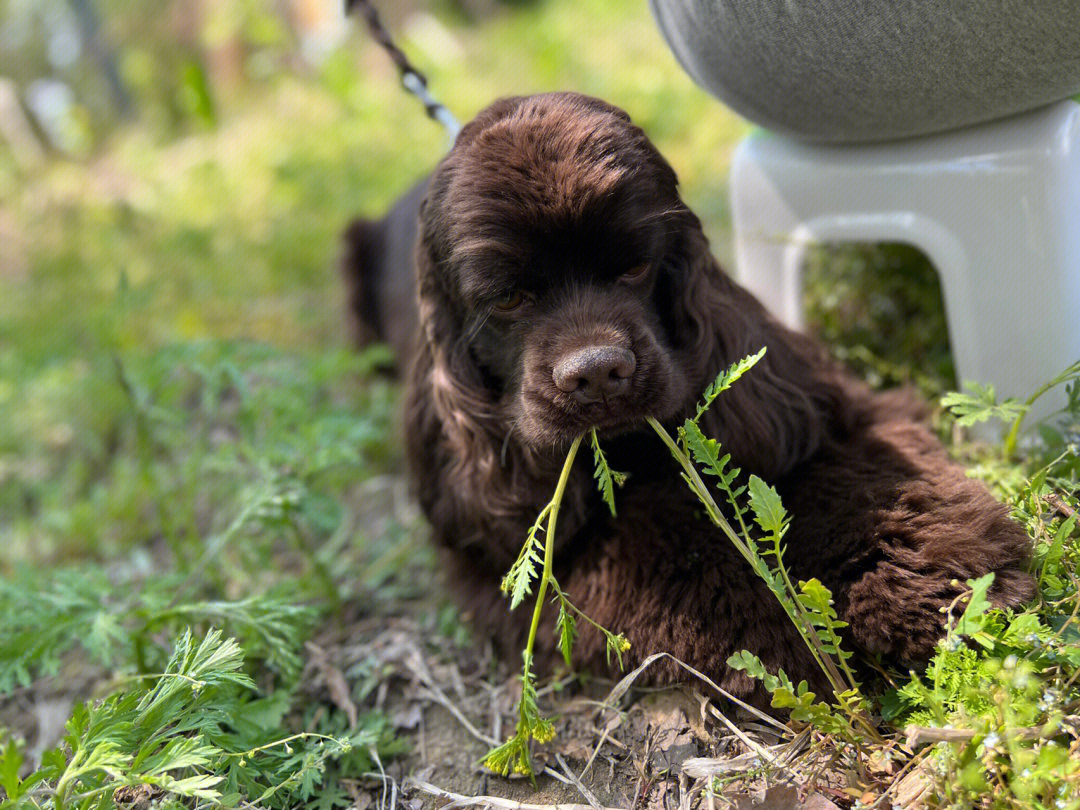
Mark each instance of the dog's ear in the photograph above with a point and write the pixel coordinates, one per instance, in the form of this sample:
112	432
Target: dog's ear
780	411
461	404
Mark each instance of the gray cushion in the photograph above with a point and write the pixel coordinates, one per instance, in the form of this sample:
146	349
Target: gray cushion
847	71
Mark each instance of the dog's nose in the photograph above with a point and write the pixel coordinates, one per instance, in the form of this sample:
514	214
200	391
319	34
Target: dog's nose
595	373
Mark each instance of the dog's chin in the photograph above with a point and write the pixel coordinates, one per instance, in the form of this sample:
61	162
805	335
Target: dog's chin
550	426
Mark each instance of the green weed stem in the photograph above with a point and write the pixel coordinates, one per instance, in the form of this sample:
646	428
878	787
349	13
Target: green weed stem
717	517
1013	436
813	643
549	545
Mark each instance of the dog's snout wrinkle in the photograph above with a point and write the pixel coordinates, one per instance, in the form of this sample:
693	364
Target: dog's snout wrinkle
595	373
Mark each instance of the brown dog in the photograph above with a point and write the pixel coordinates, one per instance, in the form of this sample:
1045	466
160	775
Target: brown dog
563	284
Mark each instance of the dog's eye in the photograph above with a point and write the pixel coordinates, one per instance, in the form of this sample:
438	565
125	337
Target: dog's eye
636	272
510	301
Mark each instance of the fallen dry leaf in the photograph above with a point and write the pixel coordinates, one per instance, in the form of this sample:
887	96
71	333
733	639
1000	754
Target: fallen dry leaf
336	684
782	797
911	789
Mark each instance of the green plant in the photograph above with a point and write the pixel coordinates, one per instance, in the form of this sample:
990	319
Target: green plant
980	404
809	606
513	755
999	698
179	734
201	495
1003	684
46	616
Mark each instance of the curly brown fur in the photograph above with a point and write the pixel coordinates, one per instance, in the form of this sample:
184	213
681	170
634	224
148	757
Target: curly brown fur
553	235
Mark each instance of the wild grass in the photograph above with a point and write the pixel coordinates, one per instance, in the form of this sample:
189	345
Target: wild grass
513	755
212	518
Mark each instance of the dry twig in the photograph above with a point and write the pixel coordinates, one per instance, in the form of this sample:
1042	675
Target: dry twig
457	800
920	735
584	791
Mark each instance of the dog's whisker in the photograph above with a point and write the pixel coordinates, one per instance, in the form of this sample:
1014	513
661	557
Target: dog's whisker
470	336
506	442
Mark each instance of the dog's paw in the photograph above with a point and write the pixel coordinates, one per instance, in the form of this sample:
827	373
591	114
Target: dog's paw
901	614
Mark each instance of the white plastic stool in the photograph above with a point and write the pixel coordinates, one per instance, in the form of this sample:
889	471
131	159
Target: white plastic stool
996	208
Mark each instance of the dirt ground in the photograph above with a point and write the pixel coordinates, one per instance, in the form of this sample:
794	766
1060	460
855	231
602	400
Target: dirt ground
616	746
648	749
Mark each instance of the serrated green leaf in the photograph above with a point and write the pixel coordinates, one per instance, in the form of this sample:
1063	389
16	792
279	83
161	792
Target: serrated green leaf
817	598
606	478
769	512
725	380
979	404
746	661
183	752
200	786
519	579
566	627
705	451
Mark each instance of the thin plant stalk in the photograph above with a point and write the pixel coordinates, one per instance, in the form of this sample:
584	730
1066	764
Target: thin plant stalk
823	659
549	545
514	753
702	491
1013	436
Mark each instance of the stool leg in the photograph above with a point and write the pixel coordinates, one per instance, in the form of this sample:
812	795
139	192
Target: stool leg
776	280
768	259
1014	320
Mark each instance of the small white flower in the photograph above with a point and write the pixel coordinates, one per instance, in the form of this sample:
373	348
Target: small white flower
991	739
1049	699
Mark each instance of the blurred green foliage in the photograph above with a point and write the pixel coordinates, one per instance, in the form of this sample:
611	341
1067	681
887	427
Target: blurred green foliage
879	307
228	225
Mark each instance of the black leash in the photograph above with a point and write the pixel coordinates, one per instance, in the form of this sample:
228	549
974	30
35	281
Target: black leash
412	79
